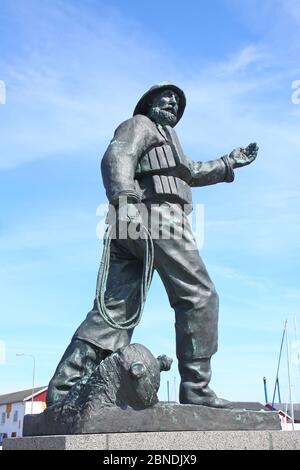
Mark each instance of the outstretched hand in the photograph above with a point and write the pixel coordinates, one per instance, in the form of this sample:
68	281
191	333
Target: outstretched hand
243	156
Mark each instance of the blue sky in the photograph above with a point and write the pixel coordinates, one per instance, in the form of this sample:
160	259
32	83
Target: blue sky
73	71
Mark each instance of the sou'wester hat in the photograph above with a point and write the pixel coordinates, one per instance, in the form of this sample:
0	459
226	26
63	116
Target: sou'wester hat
142	106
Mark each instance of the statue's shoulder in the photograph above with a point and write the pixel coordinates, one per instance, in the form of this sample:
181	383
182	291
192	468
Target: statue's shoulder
137	124
142	120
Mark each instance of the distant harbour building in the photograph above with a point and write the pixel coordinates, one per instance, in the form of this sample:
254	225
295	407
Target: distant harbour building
285	413
14	406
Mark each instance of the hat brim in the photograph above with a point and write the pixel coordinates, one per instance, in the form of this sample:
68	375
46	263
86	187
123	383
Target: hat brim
143	104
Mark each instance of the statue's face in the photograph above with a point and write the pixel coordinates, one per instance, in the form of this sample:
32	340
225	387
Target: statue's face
164	108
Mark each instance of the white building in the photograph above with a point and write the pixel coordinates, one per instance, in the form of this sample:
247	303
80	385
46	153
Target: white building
286	413
14	406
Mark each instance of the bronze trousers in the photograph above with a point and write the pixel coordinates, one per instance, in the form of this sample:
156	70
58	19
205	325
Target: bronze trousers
191	292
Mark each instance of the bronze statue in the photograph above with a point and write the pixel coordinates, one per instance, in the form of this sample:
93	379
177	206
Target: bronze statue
145	164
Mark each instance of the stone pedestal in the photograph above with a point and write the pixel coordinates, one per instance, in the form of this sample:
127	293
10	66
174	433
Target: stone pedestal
184	440
163	427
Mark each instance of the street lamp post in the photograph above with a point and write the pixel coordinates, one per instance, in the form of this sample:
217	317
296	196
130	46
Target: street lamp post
33	376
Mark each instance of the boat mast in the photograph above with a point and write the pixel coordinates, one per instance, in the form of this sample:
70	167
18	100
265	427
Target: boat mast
278	365
289	376
265	389
297	343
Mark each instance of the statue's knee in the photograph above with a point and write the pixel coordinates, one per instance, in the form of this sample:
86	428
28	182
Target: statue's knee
215	296
210	299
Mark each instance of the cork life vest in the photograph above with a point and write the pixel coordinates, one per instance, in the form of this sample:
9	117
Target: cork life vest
163	171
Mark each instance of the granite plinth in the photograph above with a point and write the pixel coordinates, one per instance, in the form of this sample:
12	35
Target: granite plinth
192	440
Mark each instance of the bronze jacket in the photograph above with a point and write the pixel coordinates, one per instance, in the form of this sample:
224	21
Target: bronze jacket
144	161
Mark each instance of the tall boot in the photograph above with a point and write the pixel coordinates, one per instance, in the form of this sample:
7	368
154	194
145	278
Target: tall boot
194	389
80	360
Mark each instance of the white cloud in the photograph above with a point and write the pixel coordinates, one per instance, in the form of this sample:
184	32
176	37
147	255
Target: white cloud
282	199
69	99
275	233
291	8
2	352
231	274
48	231
250	55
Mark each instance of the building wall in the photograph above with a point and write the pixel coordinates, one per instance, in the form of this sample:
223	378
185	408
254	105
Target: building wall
14	415
286	424
17	410
38	407
289	427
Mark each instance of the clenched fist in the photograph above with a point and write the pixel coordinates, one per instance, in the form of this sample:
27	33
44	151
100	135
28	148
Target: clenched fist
243	156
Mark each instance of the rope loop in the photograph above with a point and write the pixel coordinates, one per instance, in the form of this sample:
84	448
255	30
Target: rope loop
145	282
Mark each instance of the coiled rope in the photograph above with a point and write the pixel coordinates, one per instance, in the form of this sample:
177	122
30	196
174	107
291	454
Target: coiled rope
145	282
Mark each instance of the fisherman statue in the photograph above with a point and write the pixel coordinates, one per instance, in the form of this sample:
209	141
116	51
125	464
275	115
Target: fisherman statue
148	177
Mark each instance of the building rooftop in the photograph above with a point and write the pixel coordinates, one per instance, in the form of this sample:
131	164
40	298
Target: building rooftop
286	408
19	396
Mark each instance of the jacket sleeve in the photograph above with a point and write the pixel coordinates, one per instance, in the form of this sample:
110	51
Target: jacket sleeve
120	160
212	172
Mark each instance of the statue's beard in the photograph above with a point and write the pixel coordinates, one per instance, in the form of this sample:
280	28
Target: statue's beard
162	116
